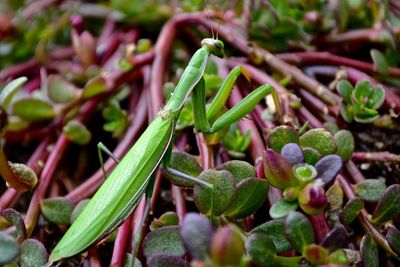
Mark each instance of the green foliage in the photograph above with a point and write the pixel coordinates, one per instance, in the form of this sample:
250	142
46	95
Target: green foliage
352	209
9	249
163	240
360	103
116	119
77	133
57	210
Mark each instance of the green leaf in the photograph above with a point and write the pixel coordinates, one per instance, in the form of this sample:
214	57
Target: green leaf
164	240
9	91
33	254
282	208
261	249
345	89
57	210
299	231
369	251
224	192
16	219
380	63
238	168
345	144
281	136
388	206
363	89
319	139
251	194
346	112
377	98
370	189
77	133
227	246
9	248
335	195
311	155
393	238
352	209
275	230
32	109
61	91
94	87
168	218
78	209
185	163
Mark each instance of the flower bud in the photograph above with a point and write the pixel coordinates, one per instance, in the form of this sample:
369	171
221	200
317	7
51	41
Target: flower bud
291	193
312	199
227	247
278	170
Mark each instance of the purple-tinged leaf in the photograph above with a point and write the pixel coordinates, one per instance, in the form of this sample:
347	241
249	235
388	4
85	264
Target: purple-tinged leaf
278	171
388	206
224	192
299	231
329	167
16	219
335	239
275	230
261	249
281	136
251	194
227	246
33	253
163	260
240	169
319	139
293	153
164	240
335	195
196	233
352	209
369	251
9	248
393	238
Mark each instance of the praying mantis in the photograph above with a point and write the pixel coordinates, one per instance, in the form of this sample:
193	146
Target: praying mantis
125	185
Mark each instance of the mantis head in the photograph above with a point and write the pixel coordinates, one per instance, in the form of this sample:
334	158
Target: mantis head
216	47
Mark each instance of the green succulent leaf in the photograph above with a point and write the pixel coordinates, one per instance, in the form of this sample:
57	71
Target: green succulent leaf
261	249
377	98
57	210
9	248
94	87
282	208
275	230
9	91
185	163
369	251
238	168
162	260
164	240
33	253
352	209
393	238
370	189
380	63
319	139
388	206
61	91
345	144
345	89
251	194
77	133
32	109
224	192
363	90
281	136
299	231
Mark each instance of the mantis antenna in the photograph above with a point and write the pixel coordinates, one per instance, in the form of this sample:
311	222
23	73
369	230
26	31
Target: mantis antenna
209	18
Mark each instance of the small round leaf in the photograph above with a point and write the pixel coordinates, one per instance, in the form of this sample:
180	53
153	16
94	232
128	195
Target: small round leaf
299	231
9	248
240	169
261	249
32	109
57	210
164	240
282	208
319	139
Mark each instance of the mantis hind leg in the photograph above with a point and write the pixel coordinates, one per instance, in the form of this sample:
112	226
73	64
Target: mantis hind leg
102	148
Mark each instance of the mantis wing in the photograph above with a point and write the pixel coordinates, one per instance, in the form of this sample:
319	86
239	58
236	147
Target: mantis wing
121	191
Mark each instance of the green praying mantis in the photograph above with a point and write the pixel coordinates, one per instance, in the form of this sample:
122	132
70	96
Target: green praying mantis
123	188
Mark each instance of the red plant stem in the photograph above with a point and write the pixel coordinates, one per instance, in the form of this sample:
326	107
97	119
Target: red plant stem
28	135
94	257
320	226
375	35
326	58
354	172
313	102
375	156
391	99
179	201
121	243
